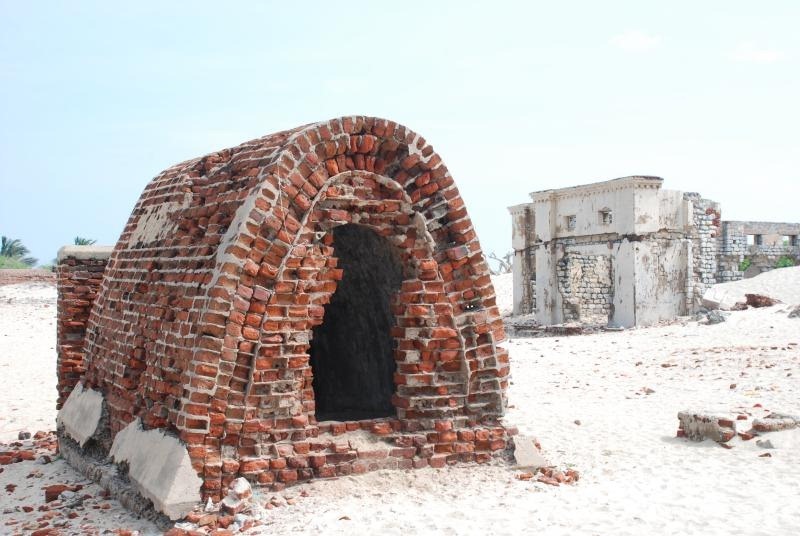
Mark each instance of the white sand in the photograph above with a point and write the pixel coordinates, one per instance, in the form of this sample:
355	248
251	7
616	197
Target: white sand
782	284
636	477
504	289
27	358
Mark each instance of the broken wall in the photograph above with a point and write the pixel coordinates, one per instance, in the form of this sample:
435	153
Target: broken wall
585	283
205	317
704	235
737	253
79	273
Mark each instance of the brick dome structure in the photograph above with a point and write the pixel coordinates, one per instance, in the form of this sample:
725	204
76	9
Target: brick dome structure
264	299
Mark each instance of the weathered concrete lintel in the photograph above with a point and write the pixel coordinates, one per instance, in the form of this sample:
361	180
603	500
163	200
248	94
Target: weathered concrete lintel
81	414
160	467
85	252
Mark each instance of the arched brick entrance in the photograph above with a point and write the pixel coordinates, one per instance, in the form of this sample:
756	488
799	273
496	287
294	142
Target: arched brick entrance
209	303
352	351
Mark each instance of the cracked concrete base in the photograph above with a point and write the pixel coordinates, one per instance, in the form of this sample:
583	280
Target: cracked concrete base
160	468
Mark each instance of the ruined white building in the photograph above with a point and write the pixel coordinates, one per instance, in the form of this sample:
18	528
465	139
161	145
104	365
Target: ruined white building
622	252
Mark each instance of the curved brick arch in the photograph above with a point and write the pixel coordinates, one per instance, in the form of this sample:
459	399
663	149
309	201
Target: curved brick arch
225	266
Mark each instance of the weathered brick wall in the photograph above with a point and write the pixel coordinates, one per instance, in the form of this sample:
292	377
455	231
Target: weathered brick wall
202	325
15	276
79	273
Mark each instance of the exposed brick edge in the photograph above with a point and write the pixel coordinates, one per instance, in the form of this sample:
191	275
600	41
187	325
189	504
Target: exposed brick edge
79	274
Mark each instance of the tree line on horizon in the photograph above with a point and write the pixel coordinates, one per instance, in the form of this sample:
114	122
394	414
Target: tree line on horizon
15	255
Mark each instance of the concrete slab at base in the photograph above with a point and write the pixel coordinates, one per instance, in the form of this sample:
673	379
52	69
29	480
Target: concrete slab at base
160	467
81	414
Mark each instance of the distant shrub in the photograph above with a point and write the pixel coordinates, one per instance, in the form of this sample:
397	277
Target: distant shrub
15	263
745	264
13	250
784	262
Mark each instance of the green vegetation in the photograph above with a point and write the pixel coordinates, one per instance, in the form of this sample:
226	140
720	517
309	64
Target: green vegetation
745	264
13	254
80	241
784	262
12	263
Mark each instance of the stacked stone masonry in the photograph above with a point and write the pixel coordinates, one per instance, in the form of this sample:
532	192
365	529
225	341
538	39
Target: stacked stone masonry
586	284
704	234
740	247
203	324
665	249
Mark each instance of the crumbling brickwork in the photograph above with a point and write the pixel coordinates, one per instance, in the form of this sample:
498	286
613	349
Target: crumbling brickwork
204	321
78	276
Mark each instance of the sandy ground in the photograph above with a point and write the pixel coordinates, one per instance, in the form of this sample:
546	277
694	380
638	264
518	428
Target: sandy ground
585	399
782	284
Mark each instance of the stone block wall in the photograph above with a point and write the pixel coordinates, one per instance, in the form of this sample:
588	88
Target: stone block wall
704	234
586	285
734	248
79	273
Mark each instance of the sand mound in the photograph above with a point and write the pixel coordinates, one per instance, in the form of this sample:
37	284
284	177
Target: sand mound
782	284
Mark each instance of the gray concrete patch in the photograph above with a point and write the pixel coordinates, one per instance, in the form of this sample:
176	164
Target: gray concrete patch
81	414
700	425
160	467
527	455
85	252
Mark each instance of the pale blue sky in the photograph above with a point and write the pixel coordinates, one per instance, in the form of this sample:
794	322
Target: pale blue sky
96	98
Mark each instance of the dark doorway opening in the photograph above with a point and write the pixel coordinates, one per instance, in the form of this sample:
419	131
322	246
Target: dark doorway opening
352	351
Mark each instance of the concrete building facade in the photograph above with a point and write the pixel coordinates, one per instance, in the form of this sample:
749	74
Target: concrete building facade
622	252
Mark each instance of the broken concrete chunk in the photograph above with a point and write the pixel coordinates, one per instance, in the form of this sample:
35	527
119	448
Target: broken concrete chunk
716	317
232	505
719	298
698	426
775	422
160	467
527	454
81	414
240	488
